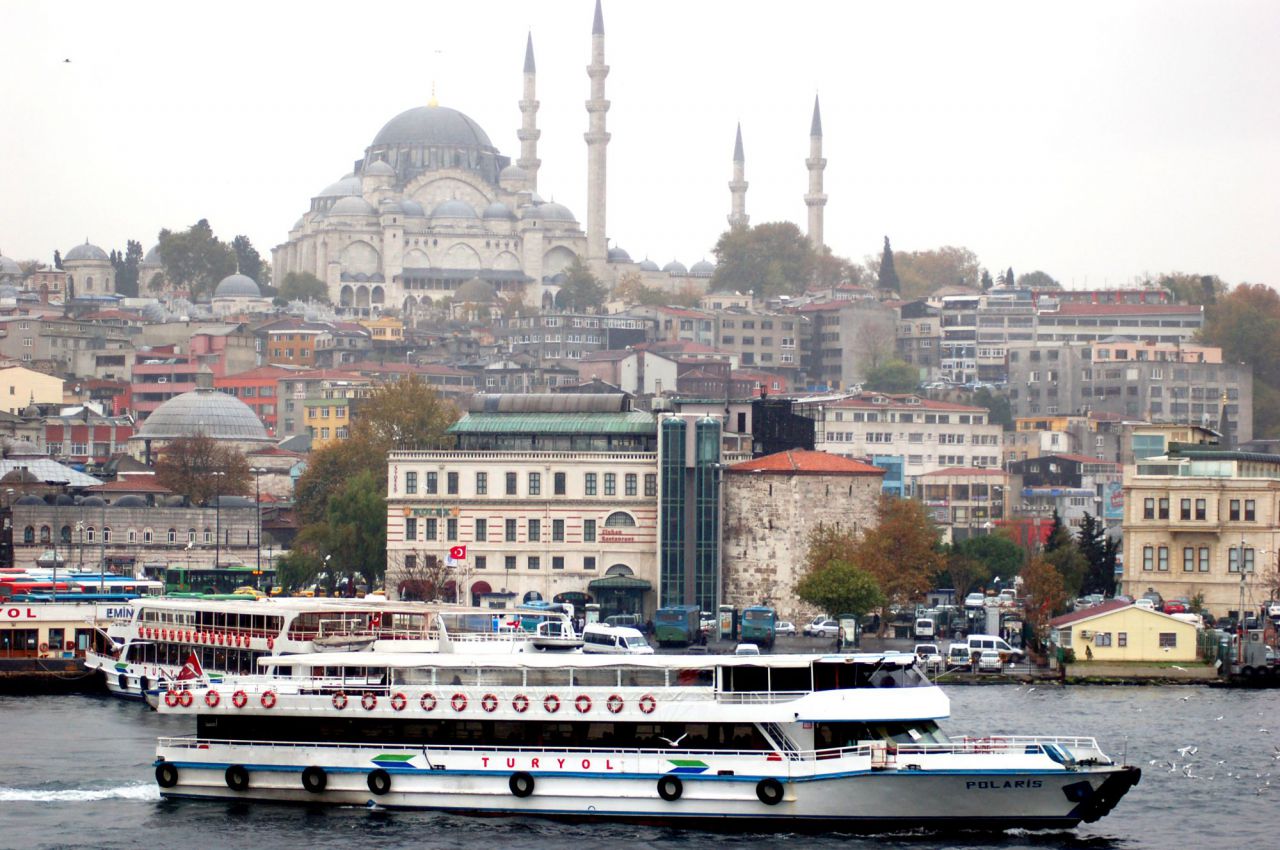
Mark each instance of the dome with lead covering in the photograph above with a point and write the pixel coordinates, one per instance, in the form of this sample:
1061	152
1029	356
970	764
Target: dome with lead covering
453	209
8	266
498	210
432	125
203	411
648	265
412	208
237	286
379	168
702	267
86	252
349	185
675	267
352	205
618	255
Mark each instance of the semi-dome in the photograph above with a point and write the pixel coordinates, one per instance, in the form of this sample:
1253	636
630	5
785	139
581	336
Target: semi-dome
453	208
702	267
413	208
476	290
618	255
379	168
432	125
92	502
86	252
498	210
648	265
552	212
8	266
675	267
349	185
352	205
237	286
129	502
203	411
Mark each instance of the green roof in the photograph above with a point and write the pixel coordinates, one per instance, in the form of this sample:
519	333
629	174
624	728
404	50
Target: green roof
633	422
619	583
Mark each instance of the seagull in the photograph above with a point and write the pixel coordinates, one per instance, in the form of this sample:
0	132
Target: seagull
676	742
1184	699
1030	689
1219	717
1184	751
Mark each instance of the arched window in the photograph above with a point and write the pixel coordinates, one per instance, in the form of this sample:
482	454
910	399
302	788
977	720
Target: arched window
106	534
90	533
64	535
619	519
147	535
45	534
88	283
208	536
133	535
191	535
173	535
29	534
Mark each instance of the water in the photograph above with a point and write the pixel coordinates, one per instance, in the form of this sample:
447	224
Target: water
76	772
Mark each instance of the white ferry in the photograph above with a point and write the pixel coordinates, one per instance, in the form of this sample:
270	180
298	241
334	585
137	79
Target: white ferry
781	743
229	636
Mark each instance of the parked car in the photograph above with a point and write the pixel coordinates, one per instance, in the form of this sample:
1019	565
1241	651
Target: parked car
785	627
989	662
929	655
1177	606
974	600
746	649
958	655
1144	602
822	627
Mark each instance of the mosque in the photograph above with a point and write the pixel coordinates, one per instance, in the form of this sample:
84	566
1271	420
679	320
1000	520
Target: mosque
434	211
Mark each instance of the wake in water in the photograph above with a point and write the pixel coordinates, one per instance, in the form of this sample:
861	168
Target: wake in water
75	795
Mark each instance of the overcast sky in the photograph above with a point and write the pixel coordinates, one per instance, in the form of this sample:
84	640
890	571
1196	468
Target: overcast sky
1095	141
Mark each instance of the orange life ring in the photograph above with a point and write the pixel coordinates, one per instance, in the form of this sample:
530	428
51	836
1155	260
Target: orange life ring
369	701
582	703
520	703
212	698
398	701
268	699
551	703
459	702
44	647
614	704
185	698
489	702
427	701
340	700
171	698
648	703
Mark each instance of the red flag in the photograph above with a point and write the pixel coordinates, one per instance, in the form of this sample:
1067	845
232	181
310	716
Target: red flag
458	553
191	670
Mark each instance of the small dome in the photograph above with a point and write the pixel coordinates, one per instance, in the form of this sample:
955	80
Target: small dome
86	252
129	502
63	499
30	499
412	208
232	502
203	411
297	225
349	185
702	267
513	172
619	255
498	210
379	168
237	286
552	212
675	267
453	209
92	502
153	256
648	265
352	205
390	205
8	266
477	290
174	501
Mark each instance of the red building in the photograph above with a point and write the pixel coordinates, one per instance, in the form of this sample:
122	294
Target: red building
86	437
257	388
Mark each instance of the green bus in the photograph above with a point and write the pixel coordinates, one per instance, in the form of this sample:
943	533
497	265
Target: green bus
208	581
758	625
678	625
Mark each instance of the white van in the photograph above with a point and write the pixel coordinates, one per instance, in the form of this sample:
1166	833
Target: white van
618	640
980	643
924	628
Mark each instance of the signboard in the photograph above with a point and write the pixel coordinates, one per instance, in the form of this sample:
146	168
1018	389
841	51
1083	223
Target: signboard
610	535
1113	502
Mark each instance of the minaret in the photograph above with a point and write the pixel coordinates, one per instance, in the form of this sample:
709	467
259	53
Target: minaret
529	132
815	200
738	186
597	140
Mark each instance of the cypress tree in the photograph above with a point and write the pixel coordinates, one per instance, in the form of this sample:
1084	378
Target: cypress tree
888	279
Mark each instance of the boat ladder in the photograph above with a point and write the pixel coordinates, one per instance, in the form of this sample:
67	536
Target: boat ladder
780	740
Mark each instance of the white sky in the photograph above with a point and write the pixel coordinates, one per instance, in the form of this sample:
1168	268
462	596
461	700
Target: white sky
1096	141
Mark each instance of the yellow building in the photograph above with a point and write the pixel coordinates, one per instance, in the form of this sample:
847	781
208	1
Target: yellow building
384	330
1121	631
20	386
328	413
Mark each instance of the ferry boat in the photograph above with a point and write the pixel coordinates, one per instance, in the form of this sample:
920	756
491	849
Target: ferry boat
774	743
229	636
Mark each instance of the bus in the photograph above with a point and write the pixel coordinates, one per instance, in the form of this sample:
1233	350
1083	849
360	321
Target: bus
757	625
678	625
208	580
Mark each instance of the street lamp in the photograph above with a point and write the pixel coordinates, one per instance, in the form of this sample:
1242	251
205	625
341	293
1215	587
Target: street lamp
217	517
258	472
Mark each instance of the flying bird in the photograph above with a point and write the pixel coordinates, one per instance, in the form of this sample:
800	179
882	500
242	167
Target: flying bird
676	742
1184	751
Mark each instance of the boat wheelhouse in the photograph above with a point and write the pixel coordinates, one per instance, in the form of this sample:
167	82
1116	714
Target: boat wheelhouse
782	742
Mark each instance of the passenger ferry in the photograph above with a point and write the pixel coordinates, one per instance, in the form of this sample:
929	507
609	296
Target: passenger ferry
229	636
777	743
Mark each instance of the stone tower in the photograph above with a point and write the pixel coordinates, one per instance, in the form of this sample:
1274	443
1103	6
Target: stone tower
597	141
815	200
738	186
529	132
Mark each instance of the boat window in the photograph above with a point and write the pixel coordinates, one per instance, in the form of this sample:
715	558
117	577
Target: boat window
851	734
548	678
644	677
595	678
695	678
745	679
500	676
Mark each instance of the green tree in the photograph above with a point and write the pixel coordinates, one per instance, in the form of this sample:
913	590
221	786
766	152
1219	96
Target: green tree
126	267
1060	550
1188	288
833	270
987	282
901	552
828	544
201	468
57	260
920	273
1000	557
963	573
1009	279
893	376
355	528
1037	280
887	274
1099	551
250	262
840	588
582	291
195	258
302	286
1000	411
773	258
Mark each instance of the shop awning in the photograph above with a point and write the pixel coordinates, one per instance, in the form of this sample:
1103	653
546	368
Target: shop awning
619	583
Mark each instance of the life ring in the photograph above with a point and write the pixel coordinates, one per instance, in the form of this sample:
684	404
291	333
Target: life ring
551	703
212	698
185	699
314	779
582	703
614	704
369	701
521	784
427	702
339	700
459	702
769	791
379	781
648	703
670	788
398	702
271	643
268	699
171	698
237	778
44	647
166	775
489	703
239	699
520	703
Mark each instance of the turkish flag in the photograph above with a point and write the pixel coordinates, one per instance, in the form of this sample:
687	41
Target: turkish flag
458	553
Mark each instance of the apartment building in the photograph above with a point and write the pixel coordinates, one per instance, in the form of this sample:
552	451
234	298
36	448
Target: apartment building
965	502
73	347
844	339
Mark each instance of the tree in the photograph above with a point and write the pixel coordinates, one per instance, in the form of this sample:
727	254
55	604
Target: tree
1099	551
894	376
249	262
1037	280
963	573
901	553
631	290
1046	597
999	410
920	273
1009	279
833	270
126	267
840	588
355	528
773	258
57	260
195	258
1061	552
1188	288
999	556
987	282
887	275
582	291
302	286
201	469
422	577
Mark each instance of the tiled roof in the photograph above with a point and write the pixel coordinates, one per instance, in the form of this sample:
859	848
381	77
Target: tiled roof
1089	613
803	462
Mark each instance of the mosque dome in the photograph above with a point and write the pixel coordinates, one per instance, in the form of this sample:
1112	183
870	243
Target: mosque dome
513	172
390	205
8	291
237	286
92	502
30	499
432	125
552	212
8	266
352	205
203	411
412	208
675	267
453	209
379	168
86	252
648	265
476	290
153	256
349	185
297	225
618	255
498	210
129	502
702	267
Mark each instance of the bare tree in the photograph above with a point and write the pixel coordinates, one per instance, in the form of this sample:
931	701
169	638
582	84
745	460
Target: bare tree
424	577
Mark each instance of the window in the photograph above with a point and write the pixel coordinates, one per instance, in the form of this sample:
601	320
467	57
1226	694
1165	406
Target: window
557	562
619	519
410	528
1185	509
482	483
173	536
1233	560
588	531
1250	510
611	484
512	485
535	530
1122	638
1148	508
451	483
410	483
451	529
1164	509
1168	640
1163	563
650	484
535	563
511	531
1201	508
106	534
557	531
1248	560
510	562
482	530
481	562
433	483
1188	559
629	484
432	529
589	562
1204	559
557	483
535	483
589	484
1233	511
1102	639
1148	554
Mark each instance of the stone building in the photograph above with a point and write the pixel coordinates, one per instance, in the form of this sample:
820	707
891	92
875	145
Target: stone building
203	411
89	271
771	505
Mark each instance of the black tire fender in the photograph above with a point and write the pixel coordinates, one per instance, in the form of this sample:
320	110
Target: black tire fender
166	775
379	781
521	784
144	684
670	787
769	791
314	779
237	778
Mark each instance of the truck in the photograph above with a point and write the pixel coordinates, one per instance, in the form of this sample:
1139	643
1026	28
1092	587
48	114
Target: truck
678	625
757	625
